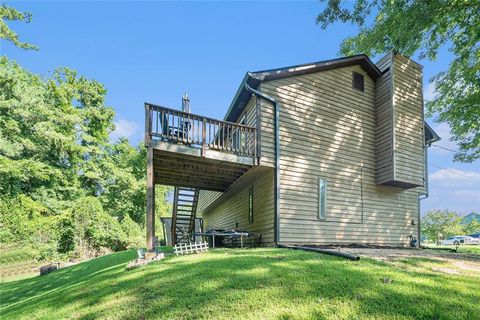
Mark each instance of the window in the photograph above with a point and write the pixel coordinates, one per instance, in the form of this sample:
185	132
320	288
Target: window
250	204
358	82
322	198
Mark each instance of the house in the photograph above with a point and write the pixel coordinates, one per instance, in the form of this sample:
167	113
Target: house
332	152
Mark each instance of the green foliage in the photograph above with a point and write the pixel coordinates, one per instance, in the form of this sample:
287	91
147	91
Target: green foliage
123	177
472	227
408	27
135	236
440	224
65	188
8	13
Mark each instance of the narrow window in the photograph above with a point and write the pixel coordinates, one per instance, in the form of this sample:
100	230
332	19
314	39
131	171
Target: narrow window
250	204
358	82
322	198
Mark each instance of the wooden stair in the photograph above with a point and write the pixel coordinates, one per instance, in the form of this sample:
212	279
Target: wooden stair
184	214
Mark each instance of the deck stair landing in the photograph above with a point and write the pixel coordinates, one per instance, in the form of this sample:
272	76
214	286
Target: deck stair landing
184	213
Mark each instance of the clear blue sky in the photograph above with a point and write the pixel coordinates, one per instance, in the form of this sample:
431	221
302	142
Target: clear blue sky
156	51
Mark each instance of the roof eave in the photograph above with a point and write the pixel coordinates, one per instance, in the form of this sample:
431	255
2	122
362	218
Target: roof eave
255	78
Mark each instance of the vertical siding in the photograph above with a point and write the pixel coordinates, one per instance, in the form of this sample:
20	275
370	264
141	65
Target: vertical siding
230	210
328	129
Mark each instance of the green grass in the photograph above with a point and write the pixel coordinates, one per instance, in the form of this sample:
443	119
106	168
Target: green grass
464	249
245	284
14	277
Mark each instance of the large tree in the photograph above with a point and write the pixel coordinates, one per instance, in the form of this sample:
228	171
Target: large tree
8	13
423	27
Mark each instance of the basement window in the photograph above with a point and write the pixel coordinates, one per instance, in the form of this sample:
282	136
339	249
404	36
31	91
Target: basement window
358	82
250	204
322	198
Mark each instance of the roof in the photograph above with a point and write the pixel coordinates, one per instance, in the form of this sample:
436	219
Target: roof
253	79
430	135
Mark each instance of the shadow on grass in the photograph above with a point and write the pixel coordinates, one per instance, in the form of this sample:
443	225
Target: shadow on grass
247	284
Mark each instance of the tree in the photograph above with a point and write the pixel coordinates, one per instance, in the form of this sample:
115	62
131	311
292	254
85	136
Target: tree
8	13
440	224
408	27
64	186
472	227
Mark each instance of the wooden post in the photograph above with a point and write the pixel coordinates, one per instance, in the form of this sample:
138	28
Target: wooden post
204	137
150	225
148	124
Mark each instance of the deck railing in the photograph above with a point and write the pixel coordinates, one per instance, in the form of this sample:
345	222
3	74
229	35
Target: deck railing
200	132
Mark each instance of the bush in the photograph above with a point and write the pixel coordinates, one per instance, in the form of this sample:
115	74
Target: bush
134	234
94	227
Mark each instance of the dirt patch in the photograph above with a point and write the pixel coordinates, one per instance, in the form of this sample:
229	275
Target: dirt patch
446	270
460	263
396	254
467	266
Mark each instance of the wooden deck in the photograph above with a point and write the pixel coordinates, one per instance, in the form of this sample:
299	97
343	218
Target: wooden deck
184	166
189	150
195	151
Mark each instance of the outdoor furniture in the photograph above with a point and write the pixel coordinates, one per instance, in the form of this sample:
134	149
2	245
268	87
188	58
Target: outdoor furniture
141	253
181	131
227	234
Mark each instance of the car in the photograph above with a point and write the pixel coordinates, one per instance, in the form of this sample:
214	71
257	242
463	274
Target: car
459	240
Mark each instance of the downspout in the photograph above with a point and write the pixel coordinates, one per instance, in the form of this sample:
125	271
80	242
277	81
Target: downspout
423	196
276	106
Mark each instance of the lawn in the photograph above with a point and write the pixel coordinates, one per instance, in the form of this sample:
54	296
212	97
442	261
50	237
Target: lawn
463	249
246	284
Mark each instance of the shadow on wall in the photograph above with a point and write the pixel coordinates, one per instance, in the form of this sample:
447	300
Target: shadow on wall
333	136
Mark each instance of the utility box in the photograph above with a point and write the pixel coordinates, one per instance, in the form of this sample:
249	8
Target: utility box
399	145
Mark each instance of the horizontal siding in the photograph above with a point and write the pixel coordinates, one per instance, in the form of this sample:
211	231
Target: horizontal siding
384	123
206	198
328	129
408	126
230	210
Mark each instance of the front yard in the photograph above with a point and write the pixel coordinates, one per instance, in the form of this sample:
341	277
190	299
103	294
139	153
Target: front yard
249	284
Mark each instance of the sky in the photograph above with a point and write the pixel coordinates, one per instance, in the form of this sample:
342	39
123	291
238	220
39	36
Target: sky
156	51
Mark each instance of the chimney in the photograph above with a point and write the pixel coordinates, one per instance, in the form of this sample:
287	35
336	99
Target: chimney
186	103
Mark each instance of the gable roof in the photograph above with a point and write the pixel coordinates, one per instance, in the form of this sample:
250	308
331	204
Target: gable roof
253	79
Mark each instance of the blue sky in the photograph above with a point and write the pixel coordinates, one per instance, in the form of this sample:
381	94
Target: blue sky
156	51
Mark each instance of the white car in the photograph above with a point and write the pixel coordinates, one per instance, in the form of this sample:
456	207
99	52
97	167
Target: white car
458	240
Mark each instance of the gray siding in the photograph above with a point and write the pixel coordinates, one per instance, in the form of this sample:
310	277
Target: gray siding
399	115
230	210
259	115
384	122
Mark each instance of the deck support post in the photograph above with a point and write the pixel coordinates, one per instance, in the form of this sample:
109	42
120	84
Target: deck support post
150	219
204	137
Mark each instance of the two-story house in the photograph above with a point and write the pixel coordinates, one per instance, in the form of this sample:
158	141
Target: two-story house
332	152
